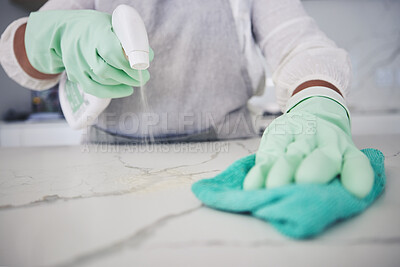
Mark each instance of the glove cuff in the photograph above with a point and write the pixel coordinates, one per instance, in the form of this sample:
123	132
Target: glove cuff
316	91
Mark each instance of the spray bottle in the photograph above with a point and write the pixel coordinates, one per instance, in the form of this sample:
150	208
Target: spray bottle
81	109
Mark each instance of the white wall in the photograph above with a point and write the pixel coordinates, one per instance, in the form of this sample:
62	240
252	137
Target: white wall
370	31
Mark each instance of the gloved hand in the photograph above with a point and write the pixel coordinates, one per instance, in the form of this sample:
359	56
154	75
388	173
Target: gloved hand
82	43
311	144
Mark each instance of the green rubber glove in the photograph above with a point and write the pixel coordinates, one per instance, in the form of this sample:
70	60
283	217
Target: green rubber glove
82	43
311	144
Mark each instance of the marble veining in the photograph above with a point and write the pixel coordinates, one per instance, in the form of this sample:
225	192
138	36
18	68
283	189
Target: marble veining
132	206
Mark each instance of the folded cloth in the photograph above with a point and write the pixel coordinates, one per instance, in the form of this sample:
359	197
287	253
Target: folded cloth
296	210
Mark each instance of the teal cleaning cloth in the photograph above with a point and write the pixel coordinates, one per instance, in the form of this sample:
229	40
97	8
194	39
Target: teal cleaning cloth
297	210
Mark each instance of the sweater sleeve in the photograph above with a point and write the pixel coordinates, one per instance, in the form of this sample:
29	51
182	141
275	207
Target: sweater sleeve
8	59
295	49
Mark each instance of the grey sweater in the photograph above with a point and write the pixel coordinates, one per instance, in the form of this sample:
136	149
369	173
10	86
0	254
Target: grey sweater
199	82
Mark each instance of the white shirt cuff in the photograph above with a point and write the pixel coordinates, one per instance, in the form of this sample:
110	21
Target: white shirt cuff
10	63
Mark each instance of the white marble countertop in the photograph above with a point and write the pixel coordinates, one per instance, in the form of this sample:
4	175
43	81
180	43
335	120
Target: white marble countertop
132	206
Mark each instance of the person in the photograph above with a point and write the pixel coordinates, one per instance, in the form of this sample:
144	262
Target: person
209	58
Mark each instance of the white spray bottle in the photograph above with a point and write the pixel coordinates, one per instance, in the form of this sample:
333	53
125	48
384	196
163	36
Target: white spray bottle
81	109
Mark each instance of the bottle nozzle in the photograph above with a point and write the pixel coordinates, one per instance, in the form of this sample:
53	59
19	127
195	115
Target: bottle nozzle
138	60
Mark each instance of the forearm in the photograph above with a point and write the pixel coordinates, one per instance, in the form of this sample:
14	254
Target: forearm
312	83
13	54
9	51
22	58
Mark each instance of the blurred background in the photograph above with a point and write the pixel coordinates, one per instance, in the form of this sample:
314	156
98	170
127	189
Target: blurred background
368	29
